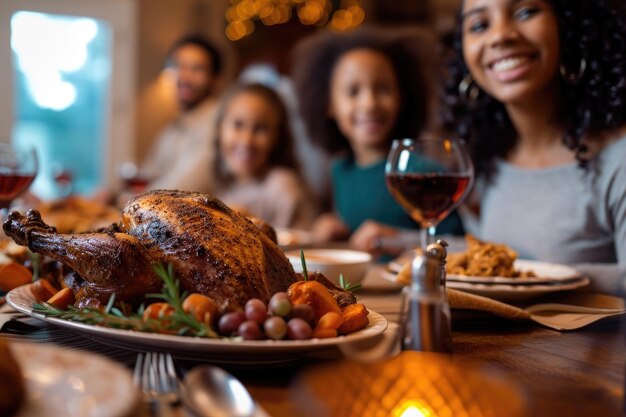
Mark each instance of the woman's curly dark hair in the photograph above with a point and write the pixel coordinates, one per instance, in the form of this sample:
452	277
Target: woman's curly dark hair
591	29
316	56
282	154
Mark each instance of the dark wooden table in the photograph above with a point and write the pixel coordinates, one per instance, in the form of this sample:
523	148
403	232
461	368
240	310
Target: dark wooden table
576	373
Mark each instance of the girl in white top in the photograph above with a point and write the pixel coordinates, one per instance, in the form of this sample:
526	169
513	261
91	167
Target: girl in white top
256	171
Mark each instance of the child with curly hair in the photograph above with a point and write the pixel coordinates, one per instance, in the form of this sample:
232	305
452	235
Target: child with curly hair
538	90
358	92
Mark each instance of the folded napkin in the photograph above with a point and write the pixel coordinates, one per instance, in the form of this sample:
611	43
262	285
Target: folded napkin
586	309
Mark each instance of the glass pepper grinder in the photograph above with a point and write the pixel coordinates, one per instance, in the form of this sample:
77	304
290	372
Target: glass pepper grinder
425	312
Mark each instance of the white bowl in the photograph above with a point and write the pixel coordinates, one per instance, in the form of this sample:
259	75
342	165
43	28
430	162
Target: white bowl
332	262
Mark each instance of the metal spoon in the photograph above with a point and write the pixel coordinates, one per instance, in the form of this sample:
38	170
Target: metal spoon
212	392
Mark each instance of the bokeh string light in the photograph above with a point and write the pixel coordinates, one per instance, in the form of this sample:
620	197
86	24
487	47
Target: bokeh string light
243	15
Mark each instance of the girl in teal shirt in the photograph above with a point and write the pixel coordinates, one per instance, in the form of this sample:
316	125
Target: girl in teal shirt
357	92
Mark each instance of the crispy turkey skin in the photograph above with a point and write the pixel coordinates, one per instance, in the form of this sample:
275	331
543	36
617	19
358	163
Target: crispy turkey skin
214	250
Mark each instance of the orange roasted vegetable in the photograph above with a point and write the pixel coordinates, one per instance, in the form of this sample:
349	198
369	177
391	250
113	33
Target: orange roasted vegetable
324	333
12	275
157	311
314	294
42	290
63	298
327	325
203	308
330	320
354	318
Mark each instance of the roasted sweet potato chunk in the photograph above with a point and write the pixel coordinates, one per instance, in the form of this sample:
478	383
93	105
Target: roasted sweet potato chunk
314	294
62	299
354	318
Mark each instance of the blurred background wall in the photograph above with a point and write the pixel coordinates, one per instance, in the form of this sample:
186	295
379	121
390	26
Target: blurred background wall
247	31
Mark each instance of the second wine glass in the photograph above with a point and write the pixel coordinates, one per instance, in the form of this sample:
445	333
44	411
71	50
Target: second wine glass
18	169
429	177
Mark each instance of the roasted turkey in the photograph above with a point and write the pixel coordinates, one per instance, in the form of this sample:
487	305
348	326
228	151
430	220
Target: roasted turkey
214	251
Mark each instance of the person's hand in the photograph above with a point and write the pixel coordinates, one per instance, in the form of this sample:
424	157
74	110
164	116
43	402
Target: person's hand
372	236
329	227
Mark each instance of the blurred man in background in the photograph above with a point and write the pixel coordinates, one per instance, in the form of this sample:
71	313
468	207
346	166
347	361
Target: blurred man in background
182	153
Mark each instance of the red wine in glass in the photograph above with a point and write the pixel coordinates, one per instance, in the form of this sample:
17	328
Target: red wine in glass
12	185
134	181
428	197
428	177
18	169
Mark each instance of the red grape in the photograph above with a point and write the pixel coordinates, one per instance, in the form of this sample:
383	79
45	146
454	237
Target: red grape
275	328
230	322
280	305
298	329
250	330
304	312
256	310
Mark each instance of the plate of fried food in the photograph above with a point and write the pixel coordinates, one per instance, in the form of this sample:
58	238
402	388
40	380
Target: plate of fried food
183	272
489	263
493	270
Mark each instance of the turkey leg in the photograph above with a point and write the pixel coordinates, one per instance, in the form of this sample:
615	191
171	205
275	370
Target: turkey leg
108	262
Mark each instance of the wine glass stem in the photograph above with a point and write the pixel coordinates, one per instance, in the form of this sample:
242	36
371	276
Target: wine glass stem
424	238
427	236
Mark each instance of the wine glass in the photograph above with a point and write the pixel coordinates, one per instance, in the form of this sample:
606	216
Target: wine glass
134	180
429	177
18	169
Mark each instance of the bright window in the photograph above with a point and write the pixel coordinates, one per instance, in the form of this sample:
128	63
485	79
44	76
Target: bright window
62	67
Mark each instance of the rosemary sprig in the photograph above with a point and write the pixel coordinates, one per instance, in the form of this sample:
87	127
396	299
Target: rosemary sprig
186	323
101	318
347	285
305	273
179	322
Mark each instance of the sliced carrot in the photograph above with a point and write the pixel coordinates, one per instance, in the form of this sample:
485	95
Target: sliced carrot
63	298
330	320
324	333
203	308
42	290
158	311
12	275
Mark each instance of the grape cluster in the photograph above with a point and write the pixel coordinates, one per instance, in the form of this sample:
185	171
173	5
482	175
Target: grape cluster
278	320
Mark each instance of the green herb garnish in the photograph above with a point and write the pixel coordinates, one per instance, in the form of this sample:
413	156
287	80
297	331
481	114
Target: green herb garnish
179	322
186	323
304	271
347	286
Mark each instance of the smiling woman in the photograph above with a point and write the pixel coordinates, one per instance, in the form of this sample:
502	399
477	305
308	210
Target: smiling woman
507	70
538	89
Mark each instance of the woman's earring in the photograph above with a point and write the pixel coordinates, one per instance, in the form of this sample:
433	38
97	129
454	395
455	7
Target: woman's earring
573	78
468	90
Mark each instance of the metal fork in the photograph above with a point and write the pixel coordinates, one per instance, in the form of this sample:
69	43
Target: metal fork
156	376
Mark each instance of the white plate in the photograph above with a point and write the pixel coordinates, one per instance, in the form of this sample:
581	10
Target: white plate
69	383
546	272
506	292
217	350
